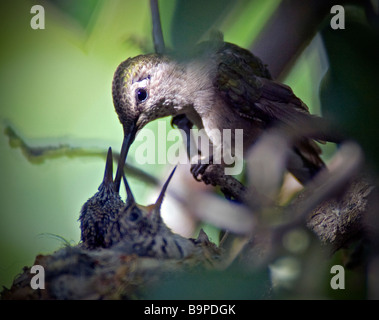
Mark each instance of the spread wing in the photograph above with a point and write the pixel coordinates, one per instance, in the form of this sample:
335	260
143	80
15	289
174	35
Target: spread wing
246	85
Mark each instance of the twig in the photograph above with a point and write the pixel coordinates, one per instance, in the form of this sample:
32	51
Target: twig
41	153
230	186
329	183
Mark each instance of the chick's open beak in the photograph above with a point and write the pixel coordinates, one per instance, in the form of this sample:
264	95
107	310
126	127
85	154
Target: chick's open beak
108	173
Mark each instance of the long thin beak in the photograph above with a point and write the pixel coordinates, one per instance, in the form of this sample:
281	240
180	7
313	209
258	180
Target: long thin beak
108	173
129	136
129	195
159	201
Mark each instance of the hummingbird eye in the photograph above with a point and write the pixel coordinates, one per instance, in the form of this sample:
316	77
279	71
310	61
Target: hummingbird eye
134	215
141	94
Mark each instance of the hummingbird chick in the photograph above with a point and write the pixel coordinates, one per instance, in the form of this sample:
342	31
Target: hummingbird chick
107	222
99	210
141	230
222	86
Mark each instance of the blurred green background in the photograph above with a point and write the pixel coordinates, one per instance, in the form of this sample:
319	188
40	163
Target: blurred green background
56	89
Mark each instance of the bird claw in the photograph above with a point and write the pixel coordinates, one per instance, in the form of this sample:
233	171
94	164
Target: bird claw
182	122
198	169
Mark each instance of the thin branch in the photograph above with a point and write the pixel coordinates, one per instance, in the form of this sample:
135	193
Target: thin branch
39	154
329	183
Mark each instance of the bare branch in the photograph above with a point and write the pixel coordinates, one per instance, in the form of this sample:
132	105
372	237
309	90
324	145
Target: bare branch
38	154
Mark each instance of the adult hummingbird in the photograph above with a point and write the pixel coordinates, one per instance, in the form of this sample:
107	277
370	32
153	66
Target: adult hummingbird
221	86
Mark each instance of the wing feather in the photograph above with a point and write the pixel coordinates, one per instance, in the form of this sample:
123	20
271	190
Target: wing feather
246	85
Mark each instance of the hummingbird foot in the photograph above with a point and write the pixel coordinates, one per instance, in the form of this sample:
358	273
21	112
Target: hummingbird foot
199	168
181	121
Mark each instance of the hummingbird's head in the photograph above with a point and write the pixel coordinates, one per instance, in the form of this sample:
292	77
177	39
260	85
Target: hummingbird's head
138	219
144	89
